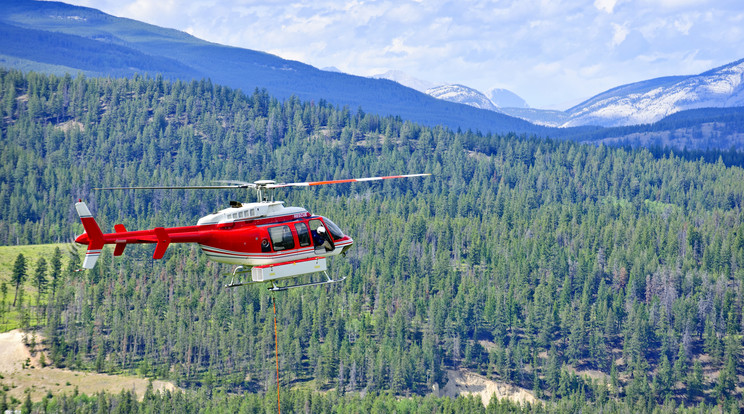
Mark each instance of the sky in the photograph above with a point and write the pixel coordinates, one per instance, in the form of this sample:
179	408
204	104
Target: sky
552	53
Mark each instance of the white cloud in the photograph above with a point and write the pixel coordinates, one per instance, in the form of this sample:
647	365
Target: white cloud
591	71
620	32
683	25
672	4
605	5
547	68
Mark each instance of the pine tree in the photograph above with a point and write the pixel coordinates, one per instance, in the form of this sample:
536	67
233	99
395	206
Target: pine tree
662	383
56	270
695	381
680	365
40	279
19	274
4	291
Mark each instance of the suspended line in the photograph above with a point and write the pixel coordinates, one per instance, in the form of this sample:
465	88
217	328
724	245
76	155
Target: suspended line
276	353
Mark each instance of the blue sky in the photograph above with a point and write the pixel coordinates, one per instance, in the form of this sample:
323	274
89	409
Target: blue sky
552	53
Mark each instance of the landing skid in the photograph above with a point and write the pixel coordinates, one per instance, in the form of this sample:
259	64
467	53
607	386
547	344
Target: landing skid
274	287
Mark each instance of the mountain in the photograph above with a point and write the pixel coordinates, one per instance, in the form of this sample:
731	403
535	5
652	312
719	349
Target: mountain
405	80
504	98
545	117
58	38
464	95
499	98
648	101
651	100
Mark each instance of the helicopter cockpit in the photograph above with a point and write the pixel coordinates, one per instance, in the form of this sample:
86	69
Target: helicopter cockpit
324	235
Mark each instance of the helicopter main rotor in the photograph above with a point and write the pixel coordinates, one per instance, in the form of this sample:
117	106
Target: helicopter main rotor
264	188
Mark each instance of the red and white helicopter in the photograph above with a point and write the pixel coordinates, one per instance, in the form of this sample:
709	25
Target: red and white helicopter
265	238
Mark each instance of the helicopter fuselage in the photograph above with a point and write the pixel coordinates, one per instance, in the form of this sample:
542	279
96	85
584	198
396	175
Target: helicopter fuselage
252	234
269	233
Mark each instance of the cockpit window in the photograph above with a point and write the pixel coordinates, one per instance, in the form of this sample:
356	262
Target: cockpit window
281	238
333	229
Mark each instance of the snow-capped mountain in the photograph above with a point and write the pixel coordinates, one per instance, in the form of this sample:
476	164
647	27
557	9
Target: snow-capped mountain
649	101
495	99
504	98
405	80
464	95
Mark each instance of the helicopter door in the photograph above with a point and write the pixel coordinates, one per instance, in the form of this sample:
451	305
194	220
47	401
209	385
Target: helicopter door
321	238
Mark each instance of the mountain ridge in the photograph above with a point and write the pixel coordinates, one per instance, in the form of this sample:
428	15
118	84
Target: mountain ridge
464	95
653	99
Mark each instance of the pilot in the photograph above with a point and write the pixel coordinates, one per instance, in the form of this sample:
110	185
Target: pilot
320	238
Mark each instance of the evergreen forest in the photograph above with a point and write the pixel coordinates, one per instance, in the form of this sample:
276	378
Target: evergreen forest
599	279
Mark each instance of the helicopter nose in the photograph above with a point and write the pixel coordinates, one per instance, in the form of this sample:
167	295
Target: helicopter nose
82	239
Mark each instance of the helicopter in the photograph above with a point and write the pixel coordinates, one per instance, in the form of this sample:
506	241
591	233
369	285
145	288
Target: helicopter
266	239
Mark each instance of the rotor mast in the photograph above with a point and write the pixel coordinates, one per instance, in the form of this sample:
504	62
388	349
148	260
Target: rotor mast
264	190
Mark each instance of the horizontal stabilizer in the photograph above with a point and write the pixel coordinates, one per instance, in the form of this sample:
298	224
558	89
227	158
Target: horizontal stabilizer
91	257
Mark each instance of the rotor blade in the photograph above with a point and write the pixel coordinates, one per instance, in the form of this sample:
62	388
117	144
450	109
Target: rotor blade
240	184
179	187
351	180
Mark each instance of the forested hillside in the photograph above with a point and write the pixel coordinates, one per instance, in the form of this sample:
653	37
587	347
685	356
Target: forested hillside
691	130
602	279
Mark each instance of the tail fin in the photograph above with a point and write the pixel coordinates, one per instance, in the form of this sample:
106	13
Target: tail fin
119	250
163	242
95	236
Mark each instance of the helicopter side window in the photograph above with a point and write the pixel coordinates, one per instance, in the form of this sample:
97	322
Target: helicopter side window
303	236
281	238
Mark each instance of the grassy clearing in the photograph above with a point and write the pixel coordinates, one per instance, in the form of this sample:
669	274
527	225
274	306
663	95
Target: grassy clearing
9	316
33	253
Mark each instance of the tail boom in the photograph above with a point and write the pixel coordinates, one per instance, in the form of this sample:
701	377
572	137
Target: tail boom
162	237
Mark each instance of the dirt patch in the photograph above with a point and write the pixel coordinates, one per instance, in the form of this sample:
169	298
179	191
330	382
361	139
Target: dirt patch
590	373
22	372
13	353
68	125
466	382
487	345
